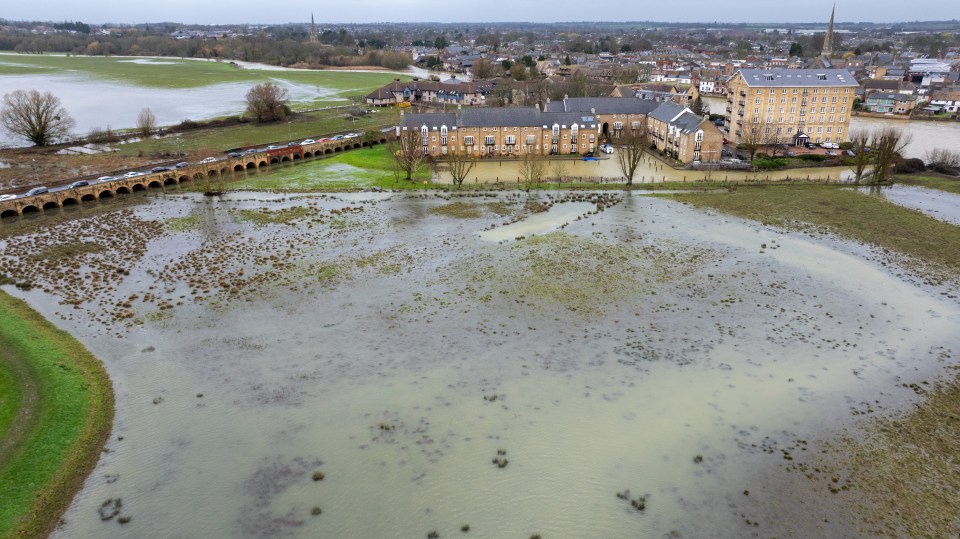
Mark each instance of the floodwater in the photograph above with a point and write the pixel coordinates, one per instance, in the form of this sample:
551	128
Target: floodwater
438	379
925	135
650	170
933	202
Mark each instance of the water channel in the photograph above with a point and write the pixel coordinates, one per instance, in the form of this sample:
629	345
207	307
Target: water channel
402	348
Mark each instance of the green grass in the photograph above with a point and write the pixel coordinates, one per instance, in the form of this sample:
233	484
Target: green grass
306	125
950	185
845	212
356	169
56	448
10	396
185	73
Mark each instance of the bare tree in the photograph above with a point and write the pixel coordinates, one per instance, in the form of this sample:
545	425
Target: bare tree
146	122
859	142
559	169
482	68
460	165
752	139
35	116
533	167
408	153
887	144
267	102
633	143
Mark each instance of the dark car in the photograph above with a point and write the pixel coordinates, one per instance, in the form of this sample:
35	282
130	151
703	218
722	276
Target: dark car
159	169
811	146
588	154
235	154
78	183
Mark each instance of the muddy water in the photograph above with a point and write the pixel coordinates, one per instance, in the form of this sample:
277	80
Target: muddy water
650	170
649	347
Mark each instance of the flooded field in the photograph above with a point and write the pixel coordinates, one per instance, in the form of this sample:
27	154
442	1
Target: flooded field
935	203
569	365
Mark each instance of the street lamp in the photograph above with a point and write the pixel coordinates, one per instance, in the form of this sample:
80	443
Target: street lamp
288	130
179	153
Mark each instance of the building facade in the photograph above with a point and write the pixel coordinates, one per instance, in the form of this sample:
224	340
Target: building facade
789	106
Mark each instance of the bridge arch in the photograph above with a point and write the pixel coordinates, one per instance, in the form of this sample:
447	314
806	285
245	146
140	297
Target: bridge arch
274	160
106	193
123	190
337	149
50	204
8	213
284	158
238	167
184	178
328	150
296	156
29	209
139	187
262	164
89	197
155	184
212	173
169	181
69	202
307	154
357	146
251	165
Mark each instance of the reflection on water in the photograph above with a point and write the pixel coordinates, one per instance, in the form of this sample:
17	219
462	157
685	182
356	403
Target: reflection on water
649	347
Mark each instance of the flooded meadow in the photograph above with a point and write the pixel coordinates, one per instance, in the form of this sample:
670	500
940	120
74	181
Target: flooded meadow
561	364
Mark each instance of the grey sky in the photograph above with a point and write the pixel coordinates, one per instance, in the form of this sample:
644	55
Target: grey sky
329	12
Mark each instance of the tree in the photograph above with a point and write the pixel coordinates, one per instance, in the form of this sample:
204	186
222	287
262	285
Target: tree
440	43
482	68
698	107
752	139
533	166
146	122
267	102
566	60
943	160
859	141
887	143
559	169
408	152
796	49
35	116
460	165
630	151
518	71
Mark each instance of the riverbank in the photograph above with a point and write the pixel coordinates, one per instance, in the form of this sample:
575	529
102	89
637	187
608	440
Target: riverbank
61	417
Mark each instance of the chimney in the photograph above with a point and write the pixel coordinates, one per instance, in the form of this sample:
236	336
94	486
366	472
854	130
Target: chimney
593	111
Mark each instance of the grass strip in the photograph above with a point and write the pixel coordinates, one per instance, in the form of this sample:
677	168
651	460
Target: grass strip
846	212
64	417
950	185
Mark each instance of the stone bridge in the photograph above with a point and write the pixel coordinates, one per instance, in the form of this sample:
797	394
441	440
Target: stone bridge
192	172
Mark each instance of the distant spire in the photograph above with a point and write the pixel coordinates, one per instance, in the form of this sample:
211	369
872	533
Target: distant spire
828	39
313	30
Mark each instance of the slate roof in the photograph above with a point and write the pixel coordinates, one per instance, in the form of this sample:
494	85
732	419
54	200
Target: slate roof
776	78
603	105
496	117
666	111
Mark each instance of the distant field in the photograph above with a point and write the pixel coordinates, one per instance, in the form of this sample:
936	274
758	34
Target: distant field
179	73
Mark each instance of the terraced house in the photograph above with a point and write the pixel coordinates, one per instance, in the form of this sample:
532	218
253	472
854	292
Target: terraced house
570	126
420	91
789	106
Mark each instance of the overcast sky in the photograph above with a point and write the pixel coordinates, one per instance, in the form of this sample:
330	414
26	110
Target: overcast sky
329	12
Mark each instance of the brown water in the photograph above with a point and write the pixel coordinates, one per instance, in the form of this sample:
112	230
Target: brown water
644	346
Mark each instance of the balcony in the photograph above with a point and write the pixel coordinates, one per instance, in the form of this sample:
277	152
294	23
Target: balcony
743	93
740	113
742	103
729	108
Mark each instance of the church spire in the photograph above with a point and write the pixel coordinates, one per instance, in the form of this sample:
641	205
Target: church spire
828	39
313	30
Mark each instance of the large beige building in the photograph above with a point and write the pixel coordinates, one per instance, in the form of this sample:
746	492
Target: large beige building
789	106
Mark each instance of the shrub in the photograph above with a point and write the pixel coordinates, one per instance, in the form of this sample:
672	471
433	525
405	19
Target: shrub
943	161
909	166
812	157
769	163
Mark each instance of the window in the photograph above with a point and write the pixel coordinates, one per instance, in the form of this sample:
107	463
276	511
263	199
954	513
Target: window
488	140
758	101
770	101
531	139
433	138
756	111
617	126
468	140
634	125
840	129
793	100
511	139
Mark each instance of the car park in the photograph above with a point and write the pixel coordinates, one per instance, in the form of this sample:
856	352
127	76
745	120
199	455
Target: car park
103	179
308	141
7	197
78	183
36	191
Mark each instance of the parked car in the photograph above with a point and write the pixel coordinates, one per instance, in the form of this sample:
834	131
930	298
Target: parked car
308	141
78	183
104	179
606	148
726	153
7	197
831	152
36	191
830	145
810	146
791	154
209	160
159	169
235	154
588	154
181	164
850	153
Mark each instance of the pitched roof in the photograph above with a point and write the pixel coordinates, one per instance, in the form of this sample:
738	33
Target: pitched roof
496	117
666	111
602	105
764	78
